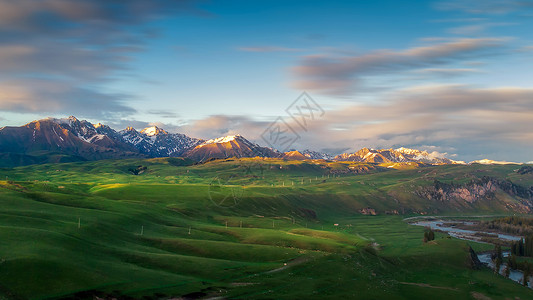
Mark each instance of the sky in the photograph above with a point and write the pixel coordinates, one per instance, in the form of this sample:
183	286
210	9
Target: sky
448	76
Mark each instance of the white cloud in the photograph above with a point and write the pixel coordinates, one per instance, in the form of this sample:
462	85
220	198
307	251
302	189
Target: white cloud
339	75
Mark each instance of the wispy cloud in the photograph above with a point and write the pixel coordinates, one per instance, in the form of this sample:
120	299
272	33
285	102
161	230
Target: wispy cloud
458	119
526	49
446	72
222	125
473	120
43	95
57	55
465	120
474	29
486	6
268	49
163	113
339	75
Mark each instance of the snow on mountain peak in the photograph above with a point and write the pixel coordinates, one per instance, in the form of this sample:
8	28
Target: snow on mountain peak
224	139
410	151
492	162
154	130
130	129
61	121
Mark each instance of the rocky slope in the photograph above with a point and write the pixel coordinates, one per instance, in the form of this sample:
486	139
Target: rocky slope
229	146
79	140
69	139
393	155
483	189
294	155
156	142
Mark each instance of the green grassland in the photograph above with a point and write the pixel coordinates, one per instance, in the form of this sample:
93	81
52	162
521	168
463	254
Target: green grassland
236	229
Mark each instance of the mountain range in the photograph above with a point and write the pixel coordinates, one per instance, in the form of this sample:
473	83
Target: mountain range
69	139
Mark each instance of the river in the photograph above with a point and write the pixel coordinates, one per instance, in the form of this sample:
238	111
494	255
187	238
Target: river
463	234
470	235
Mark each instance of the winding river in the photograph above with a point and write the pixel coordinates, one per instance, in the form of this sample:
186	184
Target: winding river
470	235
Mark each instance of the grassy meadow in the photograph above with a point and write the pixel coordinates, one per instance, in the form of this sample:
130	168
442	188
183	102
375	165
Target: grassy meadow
236	229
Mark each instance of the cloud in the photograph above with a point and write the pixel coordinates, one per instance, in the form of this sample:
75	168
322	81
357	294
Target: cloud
461	122
479	28
339	75
467	119
446	71
56	96
223	125
58	55
268	49
164	114
486	6
526	49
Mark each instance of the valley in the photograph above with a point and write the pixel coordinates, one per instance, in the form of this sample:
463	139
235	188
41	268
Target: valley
254	228
228	150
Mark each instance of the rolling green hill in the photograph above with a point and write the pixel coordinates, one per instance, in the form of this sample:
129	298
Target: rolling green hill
245	229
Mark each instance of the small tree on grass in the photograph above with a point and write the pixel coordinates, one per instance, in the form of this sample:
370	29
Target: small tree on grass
429	235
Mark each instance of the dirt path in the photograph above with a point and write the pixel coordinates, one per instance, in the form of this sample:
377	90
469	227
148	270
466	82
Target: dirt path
430	286
291	263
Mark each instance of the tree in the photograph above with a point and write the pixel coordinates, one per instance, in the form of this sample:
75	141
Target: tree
514	249
512	262
528	246
527	272
497	265
525	278
429	235
507	271
499	254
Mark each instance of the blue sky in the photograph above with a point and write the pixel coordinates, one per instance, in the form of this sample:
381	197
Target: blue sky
448	76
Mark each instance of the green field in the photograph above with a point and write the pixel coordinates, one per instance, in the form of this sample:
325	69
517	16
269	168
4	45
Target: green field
237	229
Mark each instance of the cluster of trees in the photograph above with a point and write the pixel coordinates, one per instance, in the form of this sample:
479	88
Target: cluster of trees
497	258
525	266
429	235
512	225
512	263
523	247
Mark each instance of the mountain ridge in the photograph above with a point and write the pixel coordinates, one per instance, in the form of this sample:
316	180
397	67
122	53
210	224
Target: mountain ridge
73	139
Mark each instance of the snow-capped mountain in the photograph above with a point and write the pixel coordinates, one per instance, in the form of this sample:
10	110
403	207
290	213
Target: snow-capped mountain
394	155
316	155
306	154
492	162
69	139
153	131
229	146
156	142
65	139
100	135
